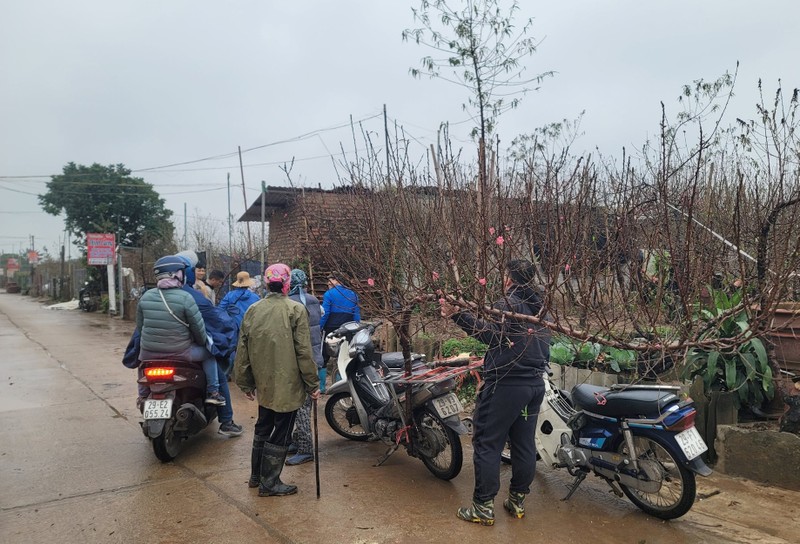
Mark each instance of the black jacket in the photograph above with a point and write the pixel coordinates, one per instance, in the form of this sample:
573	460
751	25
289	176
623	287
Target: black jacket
518	351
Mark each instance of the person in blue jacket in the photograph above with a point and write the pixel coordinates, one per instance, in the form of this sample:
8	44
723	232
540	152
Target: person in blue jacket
223	331
239	298
339	305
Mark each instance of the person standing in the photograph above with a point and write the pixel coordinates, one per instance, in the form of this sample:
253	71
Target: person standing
240	297
339	305
200	282
507	405
301	437
274	363
215	280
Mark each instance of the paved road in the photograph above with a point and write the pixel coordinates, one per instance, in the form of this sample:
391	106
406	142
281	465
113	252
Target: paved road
75	468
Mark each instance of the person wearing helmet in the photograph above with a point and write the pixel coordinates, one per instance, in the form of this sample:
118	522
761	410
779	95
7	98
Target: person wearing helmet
274	360
171	325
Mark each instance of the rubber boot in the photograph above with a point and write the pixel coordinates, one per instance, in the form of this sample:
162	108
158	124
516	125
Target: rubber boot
478	512
515	504
255	460
271	466
323	375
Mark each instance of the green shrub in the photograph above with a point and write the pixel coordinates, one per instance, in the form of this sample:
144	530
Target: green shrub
470	345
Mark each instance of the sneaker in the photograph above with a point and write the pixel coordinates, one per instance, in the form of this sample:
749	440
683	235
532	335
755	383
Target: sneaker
299	459
229	428
292	448
515	504
215	398
479	512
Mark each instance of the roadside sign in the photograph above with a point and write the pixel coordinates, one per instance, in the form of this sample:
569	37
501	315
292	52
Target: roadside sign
12	264
33	257
99	248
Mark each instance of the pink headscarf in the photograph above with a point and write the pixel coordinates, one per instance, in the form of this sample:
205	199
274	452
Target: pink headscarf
279	272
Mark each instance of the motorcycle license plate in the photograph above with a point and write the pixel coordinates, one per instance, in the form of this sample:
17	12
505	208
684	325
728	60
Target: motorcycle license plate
691	443
448	405
157	409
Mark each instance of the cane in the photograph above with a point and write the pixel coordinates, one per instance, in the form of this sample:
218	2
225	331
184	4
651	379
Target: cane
316	443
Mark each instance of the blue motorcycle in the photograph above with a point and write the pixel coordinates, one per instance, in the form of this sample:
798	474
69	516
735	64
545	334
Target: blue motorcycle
640	439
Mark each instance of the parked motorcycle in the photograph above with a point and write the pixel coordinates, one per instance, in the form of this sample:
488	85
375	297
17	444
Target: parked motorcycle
175	408
369	402
640	439
89	297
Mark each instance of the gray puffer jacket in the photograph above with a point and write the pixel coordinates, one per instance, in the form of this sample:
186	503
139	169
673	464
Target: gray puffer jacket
162	334
314	310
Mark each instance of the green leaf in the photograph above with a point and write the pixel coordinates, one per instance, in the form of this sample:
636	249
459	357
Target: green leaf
711	368
615	366
730	374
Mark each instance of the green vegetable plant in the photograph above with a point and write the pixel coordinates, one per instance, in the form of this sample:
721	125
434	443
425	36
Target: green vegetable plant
740	361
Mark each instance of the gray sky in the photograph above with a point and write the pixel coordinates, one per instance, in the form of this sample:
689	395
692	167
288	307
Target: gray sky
150	83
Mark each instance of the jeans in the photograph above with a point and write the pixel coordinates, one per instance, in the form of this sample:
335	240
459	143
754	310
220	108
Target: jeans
224	413
210	367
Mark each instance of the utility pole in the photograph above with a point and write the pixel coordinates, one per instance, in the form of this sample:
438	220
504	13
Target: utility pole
185	228
386	137
244	193
230	232
263	210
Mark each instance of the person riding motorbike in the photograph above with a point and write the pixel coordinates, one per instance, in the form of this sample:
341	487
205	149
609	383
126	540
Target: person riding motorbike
171	325
223	332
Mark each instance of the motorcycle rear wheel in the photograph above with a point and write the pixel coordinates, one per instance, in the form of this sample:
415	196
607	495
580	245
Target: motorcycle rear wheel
439	446
166	445
678	488
342	417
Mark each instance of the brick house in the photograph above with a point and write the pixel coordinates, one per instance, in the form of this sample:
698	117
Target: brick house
303	226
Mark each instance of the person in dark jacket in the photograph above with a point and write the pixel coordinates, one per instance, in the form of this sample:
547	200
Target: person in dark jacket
223	332
240	297
507	405
301	437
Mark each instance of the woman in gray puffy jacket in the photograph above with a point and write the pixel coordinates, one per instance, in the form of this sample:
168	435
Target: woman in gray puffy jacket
171	325
301	438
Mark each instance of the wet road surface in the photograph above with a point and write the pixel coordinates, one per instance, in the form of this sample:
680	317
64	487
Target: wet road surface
76	468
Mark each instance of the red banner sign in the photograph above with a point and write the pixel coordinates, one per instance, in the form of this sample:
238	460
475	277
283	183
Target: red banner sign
12	264
99	248
33	257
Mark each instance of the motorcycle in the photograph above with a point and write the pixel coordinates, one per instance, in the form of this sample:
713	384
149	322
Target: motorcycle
369	401
88	297
640	439
175	409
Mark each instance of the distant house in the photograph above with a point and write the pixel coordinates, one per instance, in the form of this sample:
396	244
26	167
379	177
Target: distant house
301	222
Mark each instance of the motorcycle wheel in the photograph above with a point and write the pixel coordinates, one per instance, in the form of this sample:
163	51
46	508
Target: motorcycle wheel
678	487
166	445
343	418
439	446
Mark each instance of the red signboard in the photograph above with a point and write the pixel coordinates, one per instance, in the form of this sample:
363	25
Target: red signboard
99	248
33	257
12	264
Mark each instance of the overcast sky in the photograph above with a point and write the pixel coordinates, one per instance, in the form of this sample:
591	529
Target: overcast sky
151	83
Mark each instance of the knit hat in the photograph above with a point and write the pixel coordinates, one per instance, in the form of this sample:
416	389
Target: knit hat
279	273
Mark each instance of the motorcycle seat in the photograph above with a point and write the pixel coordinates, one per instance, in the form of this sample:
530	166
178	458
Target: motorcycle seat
628	403
395	360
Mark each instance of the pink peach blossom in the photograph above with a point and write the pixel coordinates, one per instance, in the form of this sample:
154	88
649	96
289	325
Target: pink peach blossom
500	240
435	276
441	301
370	282
482	281
491	231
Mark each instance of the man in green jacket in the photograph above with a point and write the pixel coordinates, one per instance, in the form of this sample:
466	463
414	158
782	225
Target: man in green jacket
274	364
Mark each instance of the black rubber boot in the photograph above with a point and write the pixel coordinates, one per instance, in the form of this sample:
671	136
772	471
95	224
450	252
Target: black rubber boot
255	460
271	466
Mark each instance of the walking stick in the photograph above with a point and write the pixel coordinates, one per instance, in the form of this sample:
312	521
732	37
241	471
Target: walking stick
316	443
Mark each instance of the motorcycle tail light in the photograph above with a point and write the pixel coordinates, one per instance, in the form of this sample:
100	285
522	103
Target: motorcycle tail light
159	374
684	421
